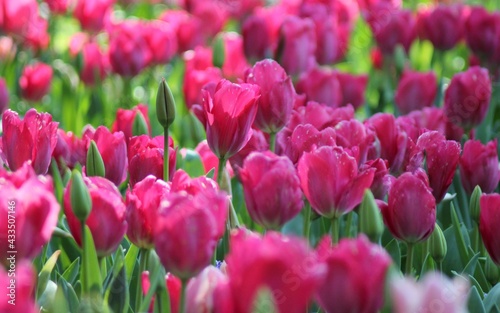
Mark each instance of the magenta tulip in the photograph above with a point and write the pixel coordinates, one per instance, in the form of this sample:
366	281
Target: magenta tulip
321	85
479	166
353	89
201	289
443	25
415	91
488	224
35	81
93	14
18	284
125	120
482	32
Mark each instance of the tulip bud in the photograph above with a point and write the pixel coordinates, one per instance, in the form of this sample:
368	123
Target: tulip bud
139	126
218	54
80	197
474	204
370	218
437	244
165	105
95	164
491	271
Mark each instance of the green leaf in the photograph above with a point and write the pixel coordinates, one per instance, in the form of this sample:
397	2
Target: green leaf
117	294
130	261
191	163
69	293
475	303
477	285
90	271
462	248
492	299
162	299
394	251
428	265
44	275
57	179
264	302
71	273
471	266
211	173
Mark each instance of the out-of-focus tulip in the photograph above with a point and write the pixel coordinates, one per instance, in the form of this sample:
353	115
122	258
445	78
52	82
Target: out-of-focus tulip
125	120
28	207
434	290
35	81
145	157
356	275
331	181
479	166
210	160
321	85
276	95
95	64
257	142
188	28
235	63
17	296
36	36
229	114
256	41
143	202
467	98
272	189
415	91
15	16
4	96
183	251
411	212
93	14
298	41
58	6
33	138
195	79
174	291
69	149
353	88
283	266
482	32
161	39
488	224
200	290
107	220
113	150
443	25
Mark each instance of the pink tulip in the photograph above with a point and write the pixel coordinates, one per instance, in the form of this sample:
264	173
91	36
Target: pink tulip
235	63
15	16
125	120
443	25
161	40
93	14
210	160
415	91
321	85
353	89
257	142
200	290
33	138
299	45
488	224
482	30
58	6
18	286
69	149
35	81
187	27
479	166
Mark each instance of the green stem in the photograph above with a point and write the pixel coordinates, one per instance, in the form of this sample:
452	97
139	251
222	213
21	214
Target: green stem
335	231
307	220
143	265
409	258
272	142
183	297
165	155
348	224
84	268
220	171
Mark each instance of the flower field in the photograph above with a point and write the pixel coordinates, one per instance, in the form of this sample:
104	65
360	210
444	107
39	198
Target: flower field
249	156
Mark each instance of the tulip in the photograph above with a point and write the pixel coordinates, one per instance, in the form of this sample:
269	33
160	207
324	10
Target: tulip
321	85
95	64
4	96
194	80
188	28
479	166
16	16
355	136
33	138
210	160
353	88
282	267
28	203
229	114
107	220
467	98
381	179
143	202
145	157
433	291
69	149
355	277
235	63
331	181
174	291
125	120
443	26
113	150
161	40
257	142
482	30
276	95
488	224
17	297
272	189
256	37
36	36
35	81
58	6
415	91
200	290
93	14
298	40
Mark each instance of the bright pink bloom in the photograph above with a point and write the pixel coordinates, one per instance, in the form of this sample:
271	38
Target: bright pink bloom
15	16
321	85
93	14
28	202
195	79
200	290
107	220
235	63
35	81
256	41
479	166
95	64
187	27
21	291
58	6
284	265
125	120
298	41
381	180
229	114
306	138
319	115
272	189
354	135
415	91
353	89
332	182
161	40
411	212
443	25
33	138
257	142
277	95
356	275
488	224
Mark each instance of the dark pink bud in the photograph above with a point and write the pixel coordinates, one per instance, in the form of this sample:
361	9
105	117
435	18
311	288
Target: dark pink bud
332	182
411	211
356	275
33	138
353	88
272	189
321	85
443	25
256	41
482	32
107	220
479	166
488	224
415	91
95	64
35	81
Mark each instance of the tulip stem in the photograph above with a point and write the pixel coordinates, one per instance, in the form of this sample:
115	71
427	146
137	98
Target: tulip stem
307	220
409	258
348	225
165	155
272	142
220	171
183	296
143	265
335	230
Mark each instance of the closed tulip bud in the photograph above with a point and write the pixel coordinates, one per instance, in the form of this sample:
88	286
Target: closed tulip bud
80	197
272	189
474	205
467	98
479	166
165	105
411	211
437	244
488	224
94	164
491	271
370	218
482	27
35	81
218	55
415	91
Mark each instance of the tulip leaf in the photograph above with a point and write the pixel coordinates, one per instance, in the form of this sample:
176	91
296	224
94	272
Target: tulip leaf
428	265
71	273
69	294
60	304
475	303
264	302
90	273
394	251
462	248
211	173
474	282
117	293
191	163
162	302
471	266
492	299
47	297
130	261
44	275
58	182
